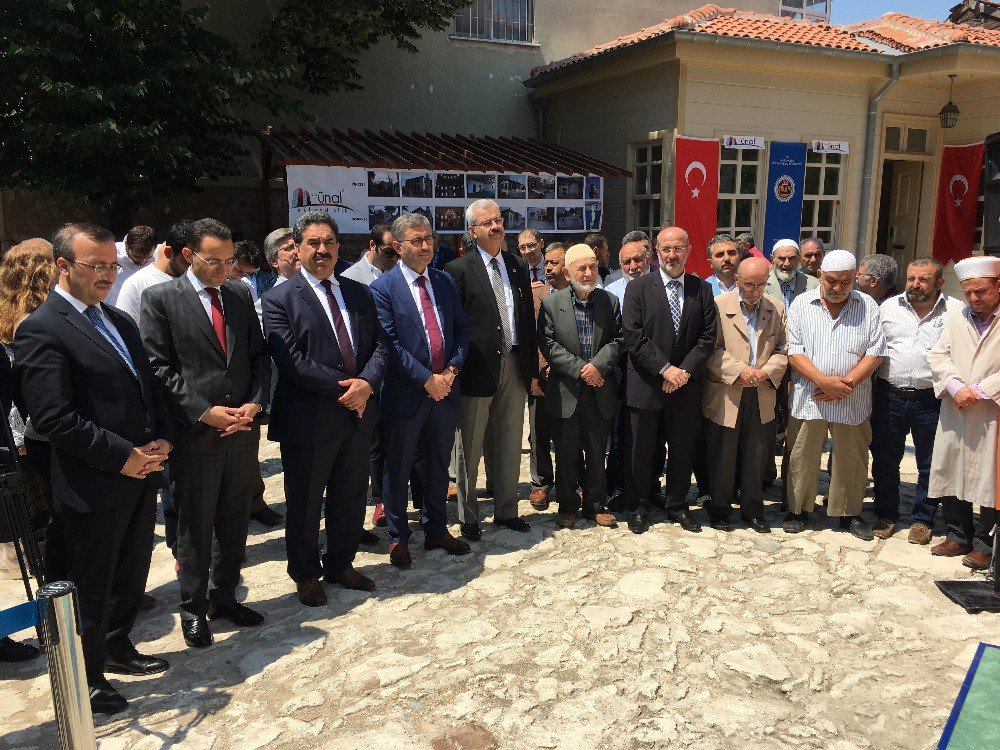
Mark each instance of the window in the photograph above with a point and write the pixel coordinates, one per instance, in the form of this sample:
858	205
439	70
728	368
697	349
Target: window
821	197
906	140
510	21
810	10
739	176
647	186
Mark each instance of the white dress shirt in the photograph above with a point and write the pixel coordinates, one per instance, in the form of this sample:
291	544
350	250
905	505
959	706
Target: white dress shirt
80	307
507	289
666	286
130	297
411	277
908	339
203	295
320	291
539	269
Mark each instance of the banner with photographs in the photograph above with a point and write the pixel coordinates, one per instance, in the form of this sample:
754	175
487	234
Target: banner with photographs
358	198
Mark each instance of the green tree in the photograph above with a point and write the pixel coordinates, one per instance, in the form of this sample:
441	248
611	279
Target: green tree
112	102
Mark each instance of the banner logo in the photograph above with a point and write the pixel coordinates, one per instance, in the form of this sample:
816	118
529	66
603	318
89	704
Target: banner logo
304	199
784	188
751	142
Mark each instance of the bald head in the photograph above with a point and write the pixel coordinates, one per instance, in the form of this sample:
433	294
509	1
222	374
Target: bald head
673	248
751	278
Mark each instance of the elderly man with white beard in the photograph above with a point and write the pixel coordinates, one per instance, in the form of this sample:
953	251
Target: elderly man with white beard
580	336
786	280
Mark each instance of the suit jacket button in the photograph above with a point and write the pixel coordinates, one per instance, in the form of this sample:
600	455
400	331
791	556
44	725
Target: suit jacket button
148	430
228	396
498	351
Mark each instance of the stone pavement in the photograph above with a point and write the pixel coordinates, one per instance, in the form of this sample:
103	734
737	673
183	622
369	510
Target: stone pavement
568	639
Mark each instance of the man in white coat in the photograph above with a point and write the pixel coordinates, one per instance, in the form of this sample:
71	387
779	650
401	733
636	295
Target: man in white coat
965	363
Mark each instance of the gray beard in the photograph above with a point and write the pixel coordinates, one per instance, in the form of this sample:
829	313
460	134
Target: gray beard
784	276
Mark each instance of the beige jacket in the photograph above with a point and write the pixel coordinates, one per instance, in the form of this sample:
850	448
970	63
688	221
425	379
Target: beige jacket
721	401
964	463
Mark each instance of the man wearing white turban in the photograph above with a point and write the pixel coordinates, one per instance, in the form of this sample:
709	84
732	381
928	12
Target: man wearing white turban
965	363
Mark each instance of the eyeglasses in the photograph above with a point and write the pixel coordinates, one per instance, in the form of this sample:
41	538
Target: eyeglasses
420	241
101	269
494	222
315	243
527	246
674	248
215	262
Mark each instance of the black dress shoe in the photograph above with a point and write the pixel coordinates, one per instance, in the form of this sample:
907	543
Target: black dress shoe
196	632
235	612
134	663
267	517
721	524
471	531
857	528
795	523
369	538
686	521
104	699
638	521
758	524
11	650
514	524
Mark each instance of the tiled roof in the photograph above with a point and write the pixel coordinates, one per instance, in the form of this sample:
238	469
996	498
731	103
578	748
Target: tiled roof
895	30
908	34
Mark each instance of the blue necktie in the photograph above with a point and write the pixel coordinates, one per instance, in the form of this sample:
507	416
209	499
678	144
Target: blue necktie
94	316
674	297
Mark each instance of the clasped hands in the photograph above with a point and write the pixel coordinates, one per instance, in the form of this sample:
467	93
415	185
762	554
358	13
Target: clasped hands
966	397
229	420
356	396
145	459
833	388
439	386
674	378
751	377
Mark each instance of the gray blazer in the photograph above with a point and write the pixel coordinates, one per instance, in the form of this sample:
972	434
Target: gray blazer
186	354
359	272
803	283
559	343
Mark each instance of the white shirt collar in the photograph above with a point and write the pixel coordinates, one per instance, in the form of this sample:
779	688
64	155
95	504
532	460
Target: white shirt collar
487	258
77	304
667	279
195	281
313	281
411	276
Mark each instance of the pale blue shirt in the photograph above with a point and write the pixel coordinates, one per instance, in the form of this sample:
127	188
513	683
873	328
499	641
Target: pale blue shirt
80	307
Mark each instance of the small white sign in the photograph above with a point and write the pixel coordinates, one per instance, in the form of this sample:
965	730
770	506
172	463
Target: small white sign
743	141
831	147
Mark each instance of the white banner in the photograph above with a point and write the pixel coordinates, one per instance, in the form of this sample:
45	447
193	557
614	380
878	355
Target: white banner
358	198
831	147
752	142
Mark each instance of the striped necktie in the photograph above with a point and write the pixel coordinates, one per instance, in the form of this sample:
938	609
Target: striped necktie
94	316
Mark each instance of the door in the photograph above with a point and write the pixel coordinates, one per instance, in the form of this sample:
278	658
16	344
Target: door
904	210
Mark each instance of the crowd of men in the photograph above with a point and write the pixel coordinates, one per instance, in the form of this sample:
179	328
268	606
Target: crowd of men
396	376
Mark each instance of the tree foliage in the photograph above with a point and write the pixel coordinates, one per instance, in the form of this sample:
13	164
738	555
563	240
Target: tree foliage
113	101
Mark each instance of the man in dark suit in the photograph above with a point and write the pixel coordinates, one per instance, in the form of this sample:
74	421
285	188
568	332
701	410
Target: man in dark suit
427	342
669	319
204	341
89	389
495	293
324	336
580	336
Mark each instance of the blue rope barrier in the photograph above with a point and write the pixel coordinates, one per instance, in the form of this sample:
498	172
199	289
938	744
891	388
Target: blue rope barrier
18	618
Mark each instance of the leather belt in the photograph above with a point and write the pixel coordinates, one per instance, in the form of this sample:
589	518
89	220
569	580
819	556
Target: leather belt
907	393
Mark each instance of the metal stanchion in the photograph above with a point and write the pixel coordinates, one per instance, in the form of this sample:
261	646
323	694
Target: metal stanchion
70	693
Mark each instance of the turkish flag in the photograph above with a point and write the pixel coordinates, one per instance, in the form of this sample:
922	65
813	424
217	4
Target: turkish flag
958	197
696	196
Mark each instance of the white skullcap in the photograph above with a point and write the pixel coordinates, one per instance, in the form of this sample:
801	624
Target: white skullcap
980	267
838	260
579	252
784	243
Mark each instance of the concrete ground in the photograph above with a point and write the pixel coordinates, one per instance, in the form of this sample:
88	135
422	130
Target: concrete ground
569	639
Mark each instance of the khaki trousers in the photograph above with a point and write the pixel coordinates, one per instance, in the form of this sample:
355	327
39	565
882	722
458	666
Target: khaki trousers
849	472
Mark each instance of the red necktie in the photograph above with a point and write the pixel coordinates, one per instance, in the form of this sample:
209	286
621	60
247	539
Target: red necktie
431	324
343	340
218	319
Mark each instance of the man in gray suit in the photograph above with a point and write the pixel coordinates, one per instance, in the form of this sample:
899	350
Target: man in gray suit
786	281
205	344
580	336
380	257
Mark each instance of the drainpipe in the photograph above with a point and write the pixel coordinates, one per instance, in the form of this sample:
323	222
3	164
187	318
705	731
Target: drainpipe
870	134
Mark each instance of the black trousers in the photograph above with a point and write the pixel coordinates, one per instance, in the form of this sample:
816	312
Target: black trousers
964	528
107	557
585	432
736	456
39	453
678	424
212	481
327	480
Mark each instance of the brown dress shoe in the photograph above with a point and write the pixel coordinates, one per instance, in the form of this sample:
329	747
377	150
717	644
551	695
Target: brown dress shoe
350	578
311	593
976	560
602	519
399	555
565	520
448	543
919	534
884	528
950	549
539	498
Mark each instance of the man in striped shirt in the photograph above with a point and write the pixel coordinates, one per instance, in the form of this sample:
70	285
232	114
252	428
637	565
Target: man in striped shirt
835	344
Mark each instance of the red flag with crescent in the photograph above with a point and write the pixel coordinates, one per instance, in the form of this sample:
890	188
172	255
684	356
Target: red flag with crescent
957	200
696	196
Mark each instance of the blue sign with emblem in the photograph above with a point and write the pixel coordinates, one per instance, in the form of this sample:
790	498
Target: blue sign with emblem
786	174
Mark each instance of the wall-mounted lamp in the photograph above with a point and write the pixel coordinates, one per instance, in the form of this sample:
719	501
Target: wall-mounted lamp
949	112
